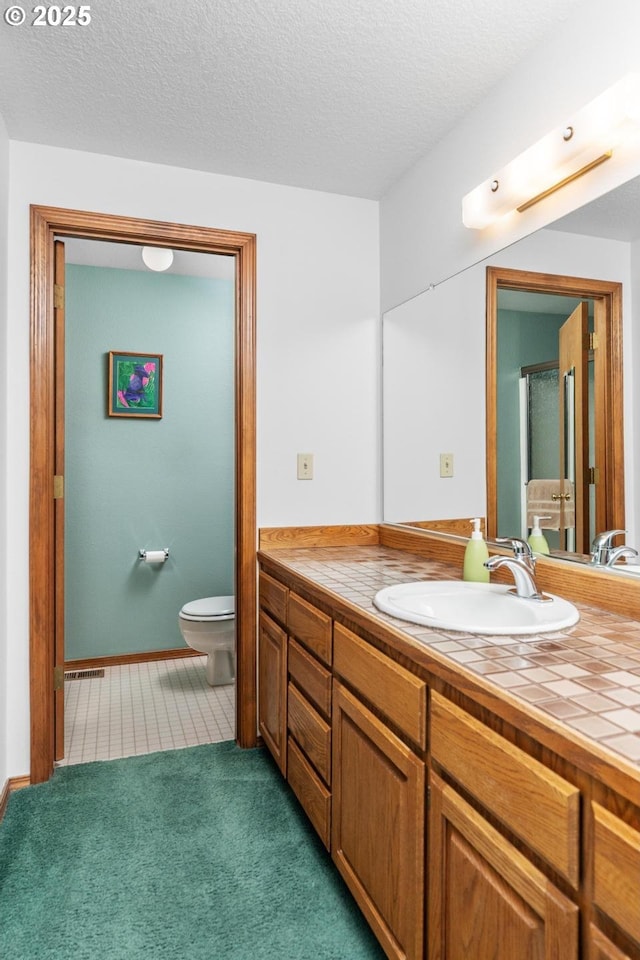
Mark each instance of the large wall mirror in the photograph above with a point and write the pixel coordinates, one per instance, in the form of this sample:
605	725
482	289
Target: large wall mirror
474	388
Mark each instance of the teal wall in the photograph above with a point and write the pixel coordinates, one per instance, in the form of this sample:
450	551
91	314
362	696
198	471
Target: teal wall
137	483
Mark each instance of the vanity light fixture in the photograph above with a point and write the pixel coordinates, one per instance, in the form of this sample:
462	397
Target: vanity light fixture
559	157
157	258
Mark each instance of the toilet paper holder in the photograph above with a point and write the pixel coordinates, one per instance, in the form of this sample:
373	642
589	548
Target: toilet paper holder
153	556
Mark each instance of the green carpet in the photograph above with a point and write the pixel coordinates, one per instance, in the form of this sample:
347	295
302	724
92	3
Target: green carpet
195	853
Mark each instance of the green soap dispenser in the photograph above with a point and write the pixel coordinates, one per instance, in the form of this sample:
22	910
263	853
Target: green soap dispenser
475	555
537	539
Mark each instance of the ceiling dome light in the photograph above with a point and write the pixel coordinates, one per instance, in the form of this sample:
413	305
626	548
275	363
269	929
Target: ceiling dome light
157	258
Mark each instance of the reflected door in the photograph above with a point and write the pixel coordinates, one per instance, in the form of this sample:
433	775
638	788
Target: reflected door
540	435
573	402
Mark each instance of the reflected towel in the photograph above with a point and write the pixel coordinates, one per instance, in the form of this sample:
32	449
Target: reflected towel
548	498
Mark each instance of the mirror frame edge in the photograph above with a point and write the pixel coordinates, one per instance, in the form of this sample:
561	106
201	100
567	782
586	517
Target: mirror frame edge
607	293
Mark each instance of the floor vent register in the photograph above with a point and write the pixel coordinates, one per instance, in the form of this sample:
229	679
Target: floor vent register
83	674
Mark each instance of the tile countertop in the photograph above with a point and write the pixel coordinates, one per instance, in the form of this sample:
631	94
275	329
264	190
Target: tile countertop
586	678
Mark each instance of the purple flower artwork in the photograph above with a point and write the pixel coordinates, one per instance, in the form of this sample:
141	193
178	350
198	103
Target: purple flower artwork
135	385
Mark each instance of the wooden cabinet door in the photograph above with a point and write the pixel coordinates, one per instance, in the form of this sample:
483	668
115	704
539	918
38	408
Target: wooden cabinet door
601	948
272	688
485	898
378	814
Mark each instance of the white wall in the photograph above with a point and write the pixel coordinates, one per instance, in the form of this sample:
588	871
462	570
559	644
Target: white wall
4	460
423	240
318	344
434	379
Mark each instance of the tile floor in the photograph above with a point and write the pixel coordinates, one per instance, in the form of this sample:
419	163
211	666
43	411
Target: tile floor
144	707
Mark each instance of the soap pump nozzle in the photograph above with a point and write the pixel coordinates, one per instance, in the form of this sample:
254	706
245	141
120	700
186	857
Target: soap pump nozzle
535	530
475	554
476	533
537	539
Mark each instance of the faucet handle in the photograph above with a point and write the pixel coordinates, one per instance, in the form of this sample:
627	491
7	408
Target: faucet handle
521	548
604	539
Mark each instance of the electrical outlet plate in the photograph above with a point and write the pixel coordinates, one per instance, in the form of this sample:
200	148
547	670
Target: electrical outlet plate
446	464
305	466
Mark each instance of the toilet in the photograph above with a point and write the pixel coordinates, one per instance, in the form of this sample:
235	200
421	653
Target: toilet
209	626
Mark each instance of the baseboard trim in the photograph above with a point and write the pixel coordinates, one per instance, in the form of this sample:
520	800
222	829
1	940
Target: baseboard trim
124	659
346	535
13	783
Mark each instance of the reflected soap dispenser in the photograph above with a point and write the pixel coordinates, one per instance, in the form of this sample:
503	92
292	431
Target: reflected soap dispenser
476	553
537	539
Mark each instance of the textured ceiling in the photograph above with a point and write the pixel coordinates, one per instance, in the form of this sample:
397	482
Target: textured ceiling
338	95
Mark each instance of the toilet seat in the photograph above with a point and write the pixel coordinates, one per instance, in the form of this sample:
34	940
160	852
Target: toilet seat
209	608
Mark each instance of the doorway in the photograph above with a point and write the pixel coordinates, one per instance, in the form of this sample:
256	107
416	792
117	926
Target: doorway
46	563
141	479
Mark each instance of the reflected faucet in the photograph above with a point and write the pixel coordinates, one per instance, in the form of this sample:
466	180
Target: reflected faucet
619	552
602	549
522	566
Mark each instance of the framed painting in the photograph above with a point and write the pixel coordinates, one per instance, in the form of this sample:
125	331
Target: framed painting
135	385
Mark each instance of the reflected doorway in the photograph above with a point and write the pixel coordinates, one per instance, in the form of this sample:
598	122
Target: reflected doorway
537	306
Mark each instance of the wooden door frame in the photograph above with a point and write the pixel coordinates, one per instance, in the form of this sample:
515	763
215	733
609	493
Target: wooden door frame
47	223
610	407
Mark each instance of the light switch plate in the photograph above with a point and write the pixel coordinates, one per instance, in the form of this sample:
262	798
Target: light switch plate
446	464
305	466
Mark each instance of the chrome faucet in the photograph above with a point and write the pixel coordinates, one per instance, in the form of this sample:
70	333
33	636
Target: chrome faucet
522	566
619	552
602	548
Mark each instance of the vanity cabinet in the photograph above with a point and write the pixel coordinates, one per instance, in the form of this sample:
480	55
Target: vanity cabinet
272	688
616	875
460	834
486	897
309	711
272	667
379	790
294	694
601	948
378	824
309	741
538	806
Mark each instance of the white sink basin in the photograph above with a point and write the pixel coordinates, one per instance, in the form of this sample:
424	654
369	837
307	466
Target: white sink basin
474	608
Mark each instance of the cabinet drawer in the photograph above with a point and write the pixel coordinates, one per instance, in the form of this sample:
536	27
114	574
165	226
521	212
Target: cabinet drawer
310	626
273	597
400	695
617	870
312	733
535	803
310	677
310	791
